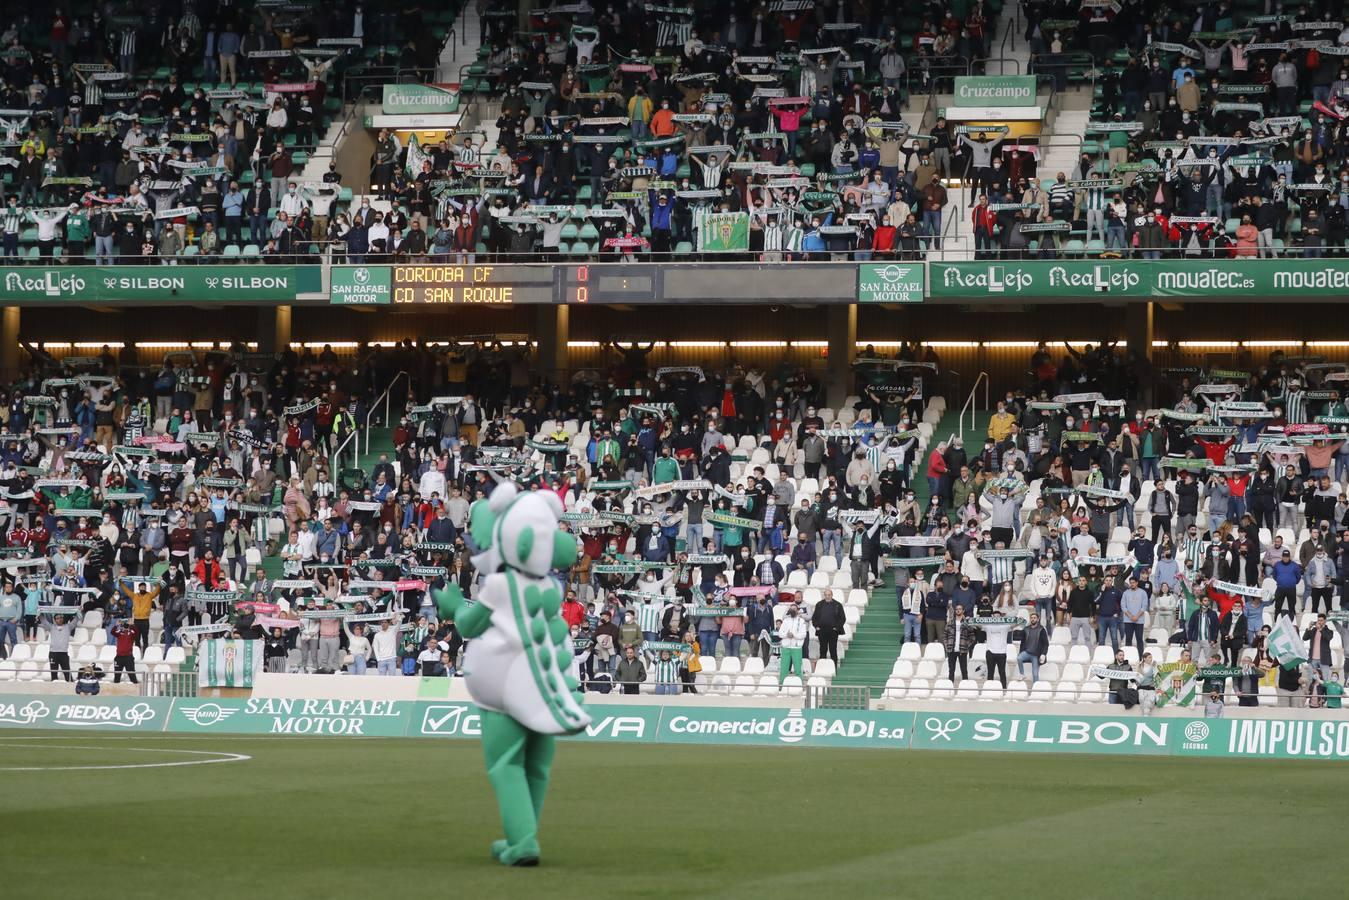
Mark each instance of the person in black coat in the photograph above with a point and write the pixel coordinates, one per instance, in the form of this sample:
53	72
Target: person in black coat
1233	628
829	620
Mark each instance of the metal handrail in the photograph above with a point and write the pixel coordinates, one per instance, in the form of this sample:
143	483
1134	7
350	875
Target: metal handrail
385	397
969	401
337	452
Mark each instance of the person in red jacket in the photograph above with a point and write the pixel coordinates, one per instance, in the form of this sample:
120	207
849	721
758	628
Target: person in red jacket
884	240
983	219
936	470
125	661
209	573
572	612
1216	451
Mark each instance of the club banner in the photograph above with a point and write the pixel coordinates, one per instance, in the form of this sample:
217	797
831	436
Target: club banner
732	612
652	490
915	562
1114	674
730	521
1231	587
1285	644
228	663
723	232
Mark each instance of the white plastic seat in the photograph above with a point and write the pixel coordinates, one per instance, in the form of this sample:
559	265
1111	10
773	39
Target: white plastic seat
89	653
744	685
819	580
1017	691
99	638
1092	693
857	597
825	668
943	689
721	684
797	579
1061	636
911	651
1040	692
8	670
20	653
827	563
107	654
895	690
933	650
1103	655
927	669
93	619
1073	673
754	665
842	581
968	689
730	665
903	668
918	689
1050	672
790	685
709	663
993	691
153	655
1079	654
1057	653
1065	693
175	655
27	671
81	636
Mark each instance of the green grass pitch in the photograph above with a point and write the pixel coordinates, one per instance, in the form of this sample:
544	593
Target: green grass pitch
335	818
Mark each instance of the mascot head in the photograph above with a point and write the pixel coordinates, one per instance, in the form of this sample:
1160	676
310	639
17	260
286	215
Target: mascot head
519	530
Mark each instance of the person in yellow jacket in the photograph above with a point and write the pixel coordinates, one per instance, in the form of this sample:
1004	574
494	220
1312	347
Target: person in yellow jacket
690	662
639	113
1000	425
142	604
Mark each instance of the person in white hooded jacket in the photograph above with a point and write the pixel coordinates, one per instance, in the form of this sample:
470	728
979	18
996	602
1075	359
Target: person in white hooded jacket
792	632
1042	582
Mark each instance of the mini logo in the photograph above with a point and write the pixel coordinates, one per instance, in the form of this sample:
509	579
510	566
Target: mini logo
212	282
1196	732
110	283
25	715
208	714
894	273
942	731
792	728
361	275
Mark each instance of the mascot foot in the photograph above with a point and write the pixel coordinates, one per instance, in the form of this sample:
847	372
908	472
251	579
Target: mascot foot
524	854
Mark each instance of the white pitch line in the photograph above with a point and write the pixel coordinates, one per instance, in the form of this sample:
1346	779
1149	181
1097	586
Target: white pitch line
220	757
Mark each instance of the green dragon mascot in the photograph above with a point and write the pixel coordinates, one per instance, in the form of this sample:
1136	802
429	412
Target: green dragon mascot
519	662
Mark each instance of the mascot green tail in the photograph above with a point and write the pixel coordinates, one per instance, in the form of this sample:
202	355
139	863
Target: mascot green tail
519	662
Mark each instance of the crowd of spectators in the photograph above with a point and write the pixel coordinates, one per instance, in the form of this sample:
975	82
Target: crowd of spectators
623	126
719	514
1215	135
137	132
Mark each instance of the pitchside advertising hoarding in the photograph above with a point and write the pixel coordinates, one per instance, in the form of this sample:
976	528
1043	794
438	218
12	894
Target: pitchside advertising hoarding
1229	279
1312	738
891	283
134	285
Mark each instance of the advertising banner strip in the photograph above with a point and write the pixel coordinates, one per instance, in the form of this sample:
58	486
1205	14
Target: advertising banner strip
893	729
